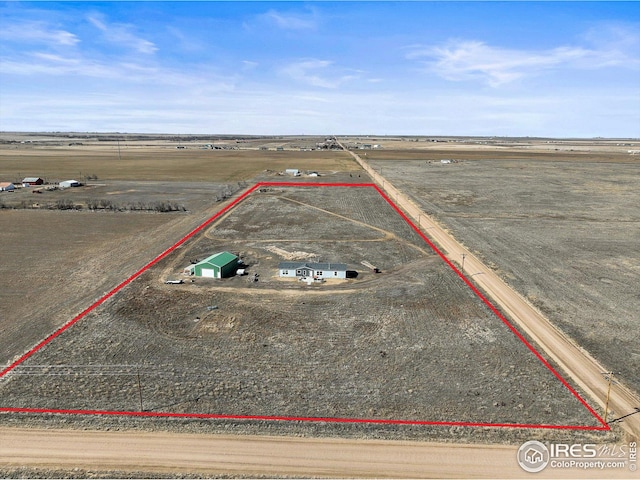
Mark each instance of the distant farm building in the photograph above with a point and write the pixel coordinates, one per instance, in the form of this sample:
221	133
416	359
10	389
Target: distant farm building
32	181
320	271
69	184
7	187
292	171
220	265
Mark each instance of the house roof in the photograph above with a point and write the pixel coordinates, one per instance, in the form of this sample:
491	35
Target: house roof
340	267
31	179
219	259
5	184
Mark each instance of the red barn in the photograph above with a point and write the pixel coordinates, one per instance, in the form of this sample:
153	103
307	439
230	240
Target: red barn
31	181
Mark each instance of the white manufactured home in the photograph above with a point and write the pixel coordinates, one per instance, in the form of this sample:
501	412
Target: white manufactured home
318	271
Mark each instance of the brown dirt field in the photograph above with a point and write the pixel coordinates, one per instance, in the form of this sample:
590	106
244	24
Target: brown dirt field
160	163
56	263
490	147
48	261
509	154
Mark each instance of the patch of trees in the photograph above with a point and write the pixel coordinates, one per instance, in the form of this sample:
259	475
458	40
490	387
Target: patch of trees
158	206
99	204
65	204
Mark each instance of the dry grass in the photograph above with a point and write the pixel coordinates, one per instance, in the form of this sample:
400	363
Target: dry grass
409	343
54	263
497	153
161	164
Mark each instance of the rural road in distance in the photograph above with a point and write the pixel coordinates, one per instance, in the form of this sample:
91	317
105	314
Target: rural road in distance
578	363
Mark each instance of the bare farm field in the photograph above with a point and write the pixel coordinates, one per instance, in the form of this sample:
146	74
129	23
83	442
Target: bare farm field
411	343
56	263
562	229
161	159
483	148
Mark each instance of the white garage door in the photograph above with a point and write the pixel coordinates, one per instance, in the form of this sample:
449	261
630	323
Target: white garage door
208	272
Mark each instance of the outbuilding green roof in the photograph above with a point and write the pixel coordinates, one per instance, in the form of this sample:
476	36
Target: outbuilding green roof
219	259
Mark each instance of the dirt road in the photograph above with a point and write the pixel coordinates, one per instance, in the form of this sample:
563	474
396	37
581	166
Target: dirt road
164	452
576	362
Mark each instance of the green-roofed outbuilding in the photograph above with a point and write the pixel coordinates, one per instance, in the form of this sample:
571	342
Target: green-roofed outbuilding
220	265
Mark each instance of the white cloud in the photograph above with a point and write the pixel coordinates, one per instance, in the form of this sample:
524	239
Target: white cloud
616	43
249	65
55	59
122	34
308	72
126	74
46	64
38	32
291	21
614	36
185	41
474	60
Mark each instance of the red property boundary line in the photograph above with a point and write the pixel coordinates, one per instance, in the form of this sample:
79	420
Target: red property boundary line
603	427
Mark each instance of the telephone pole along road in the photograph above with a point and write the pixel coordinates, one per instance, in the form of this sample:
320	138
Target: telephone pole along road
586	371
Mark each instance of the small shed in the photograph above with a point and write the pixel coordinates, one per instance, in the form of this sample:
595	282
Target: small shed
292	171
7	187
320	271
220	265
69	184
32	181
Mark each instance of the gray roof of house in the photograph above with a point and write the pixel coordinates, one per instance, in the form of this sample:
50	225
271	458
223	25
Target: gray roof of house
312	265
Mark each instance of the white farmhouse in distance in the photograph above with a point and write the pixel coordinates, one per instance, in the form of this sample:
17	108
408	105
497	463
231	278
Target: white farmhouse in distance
69	184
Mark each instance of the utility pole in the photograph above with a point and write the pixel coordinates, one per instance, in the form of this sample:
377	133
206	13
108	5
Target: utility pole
463	255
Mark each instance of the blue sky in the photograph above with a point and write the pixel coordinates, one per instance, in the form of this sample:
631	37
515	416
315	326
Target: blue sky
415	68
